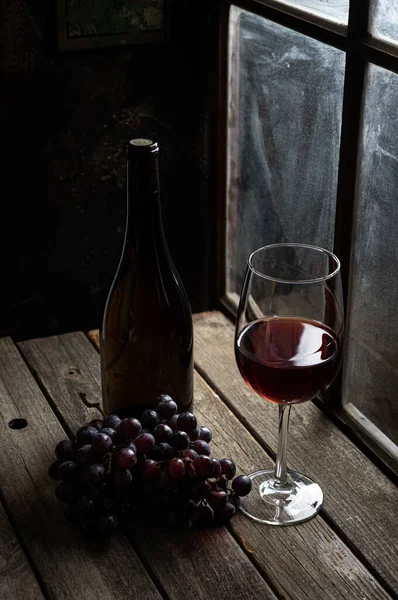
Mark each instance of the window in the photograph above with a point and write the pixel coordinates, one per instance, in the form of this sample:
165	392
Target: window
309	150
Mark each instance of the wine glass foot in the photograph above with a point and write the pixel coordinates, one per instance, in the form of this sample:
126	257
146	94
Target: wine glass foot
300	500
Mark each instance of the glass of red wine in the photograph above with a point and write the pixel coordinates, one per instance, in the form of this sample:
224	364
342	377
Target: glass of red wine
288	346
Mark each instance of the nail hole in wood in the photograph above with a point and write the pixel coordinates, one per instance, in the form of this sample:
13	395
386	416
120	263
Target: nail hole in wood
18	423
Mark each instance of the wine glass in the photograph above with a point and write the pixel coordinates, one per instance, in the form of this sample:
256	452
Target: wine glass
288	346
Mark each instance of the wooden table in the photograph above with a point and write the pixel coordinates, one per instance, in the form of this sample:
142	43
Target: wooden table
347	552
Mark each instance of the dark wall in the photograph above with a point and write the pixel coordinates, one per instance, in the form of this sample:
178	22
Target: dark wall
65	118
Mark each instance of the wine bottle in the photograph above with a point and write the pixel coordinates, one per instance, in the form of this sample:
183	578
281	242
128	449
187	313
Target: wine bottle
146	340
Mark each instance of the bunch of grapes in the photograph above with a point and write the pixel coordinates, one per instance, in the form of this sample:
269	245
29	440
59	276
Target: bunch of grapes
160	464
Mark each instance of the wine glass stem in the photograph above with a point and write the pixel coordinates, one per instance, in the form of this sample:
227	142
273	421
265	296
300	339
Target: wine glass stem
280	467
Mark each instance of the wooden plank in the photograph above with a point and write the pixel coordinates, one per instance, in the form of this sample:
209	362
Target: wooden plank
67	564
17	581
186	565
304	562
359	499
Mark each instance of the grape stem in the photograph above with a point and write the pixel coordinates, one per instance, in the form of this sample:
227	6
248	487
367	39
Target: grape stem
96	405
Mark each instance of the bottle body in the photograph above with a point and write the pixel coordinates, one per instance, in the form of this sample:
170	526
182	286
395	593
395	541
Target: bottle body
146	340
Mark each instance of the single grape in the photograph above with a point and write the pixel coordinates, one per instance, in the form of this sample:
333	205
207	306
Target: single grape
102	443
122	478
162	433
150	419
227	468
145	442
163	451
108	524
53	469
202	447
112	434
225	514
166	407
126	458
175	468
94	473
85	435
112	421
172	422
68	470
68	492
242	485
96	423
194	434
217	499
203	516
201	490
186	422
128	429
222	482
150	470
65	450
179	440
203	466
216	469
205	434
84	506
132	446
98	492
190	453
86	455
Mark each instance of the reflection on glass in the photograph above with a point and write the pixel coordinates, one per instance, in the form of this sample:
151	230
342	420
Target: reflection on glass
333	10
371	371
285	105
384	20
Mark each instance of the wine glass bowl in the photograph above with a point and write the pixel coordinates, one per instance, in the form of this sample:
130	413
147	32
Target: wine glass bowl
288	346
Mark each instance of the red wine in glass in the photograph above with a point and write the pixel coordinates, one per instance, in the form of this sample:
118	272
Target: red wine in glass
287	360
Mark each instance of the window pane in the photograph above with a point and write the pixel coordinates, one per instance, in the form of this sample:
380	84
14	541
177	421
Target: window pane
371	371
285	105
333	10
384	20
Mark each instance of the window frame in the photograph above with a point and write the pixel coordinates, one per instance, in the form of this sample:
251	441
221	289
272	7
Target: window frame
360	49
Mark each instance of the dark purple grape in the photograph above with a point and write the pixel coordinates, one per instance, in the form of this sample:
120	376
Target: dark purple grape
128	429
122	478
163	451
194	434
53	470
145	442
94	474
175	468
65	450
179	440
190	453
201	490
98	492
132	446
68	492
172	422
162	433
225	514
108	524
203	516
235	500
85	435
166	407
102	443
242	485
68	470
126	458
203	466
150	419
186	422
86	455
205	434
84	506
150	470
96	423
222	482
111	433
217	499
111	421
216	469
202	447
228	468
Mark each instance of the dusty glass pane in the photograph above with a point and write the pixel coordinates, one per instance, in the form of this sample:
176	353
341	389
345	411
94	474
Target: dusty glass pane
285	105
384	20
333	10
371	368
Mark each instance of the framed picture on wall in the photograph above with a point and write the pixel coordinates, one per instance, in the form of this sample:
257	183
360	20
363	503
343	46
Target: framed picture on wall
92	24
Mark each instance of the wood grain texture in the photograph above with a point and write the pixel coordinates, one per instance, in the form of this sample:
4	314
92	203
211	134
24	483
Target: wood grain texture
359	498
17	580
68	565
187	565
305	562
